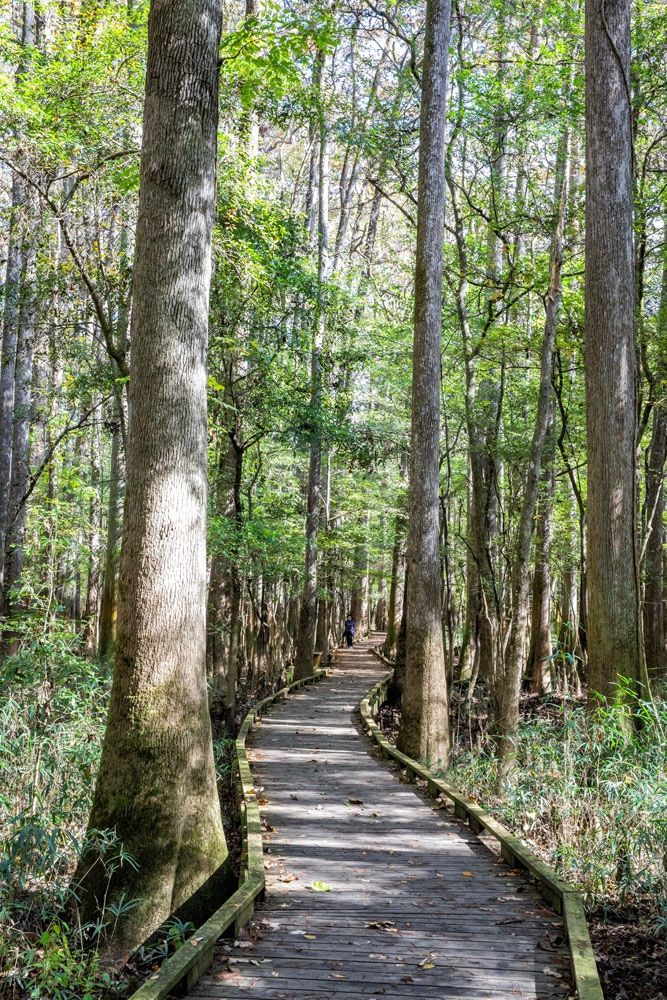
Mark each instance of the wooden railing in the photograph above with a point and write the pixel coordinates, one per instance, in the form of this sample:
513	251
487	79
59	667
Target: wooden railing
563	897
184	968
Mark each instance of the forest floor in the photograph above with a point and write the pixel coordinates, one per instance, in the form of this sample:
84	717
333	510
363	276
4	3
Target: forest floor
628	927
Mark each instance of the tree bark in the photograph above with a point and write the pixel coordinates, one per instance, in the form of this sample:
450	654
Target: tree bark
10	329
156	785
508	686
21	406
305	645
397	569
539	674
654	611
614	647
424	731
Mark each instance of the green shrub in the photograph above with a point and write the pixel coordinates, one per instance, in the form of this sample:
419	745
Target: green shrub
589	792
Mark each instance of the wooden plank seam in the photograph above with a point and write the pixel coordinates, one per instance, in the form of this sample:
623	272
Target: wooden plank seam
187	965
559	894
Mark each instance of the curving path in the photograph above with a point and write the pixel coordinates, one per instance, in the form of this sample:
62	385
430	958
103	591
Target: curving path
418	906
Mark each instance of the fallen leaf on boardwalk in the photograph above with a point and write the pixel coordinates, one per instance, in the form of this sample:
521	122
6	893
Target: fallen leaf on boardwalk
468	874
287	878
243	944
337	975
354	802
320	886
551	943
548	971
293	796
310	937
382	925
375	954
263	802
427	963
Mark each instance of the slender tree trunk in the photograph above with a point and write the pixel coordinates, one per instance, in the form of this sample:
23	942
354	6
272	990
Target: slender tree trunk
395	694
10	330
614	647
508	686
323	602
539	656
305	646
397	570
22	406
424	731
654	609
116	472
156	786
108	602
94	547
359	603
10	317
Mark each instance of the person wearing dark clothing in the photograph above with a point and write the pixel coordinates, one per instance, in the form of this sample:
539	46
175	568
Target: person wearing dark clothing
350	630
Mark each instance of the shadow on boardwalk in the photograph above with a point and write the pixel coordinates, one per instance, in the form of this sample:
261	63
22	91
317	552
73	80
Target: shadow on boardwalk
417	906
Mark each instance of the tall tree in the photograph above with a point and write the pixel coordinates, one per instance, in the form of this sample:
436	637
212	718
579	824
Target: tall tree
654	609
424	729
305	646
156	786
614	645
508	683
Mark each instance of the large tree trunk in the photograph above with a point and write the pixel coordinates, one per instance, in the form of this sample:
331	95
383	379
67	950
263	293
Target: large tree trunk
156	785
424	731
614	646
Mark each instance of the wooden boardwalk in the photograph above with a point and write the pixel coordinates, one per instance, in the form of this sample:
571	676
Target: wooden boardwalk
417	905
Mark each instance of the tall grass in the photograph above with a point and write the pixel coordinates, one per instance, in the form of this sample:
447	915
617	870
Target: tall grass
590	792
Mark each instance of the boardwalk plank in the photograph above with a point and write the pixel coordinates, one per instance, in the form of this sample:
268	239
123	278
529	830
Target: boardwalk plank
337	814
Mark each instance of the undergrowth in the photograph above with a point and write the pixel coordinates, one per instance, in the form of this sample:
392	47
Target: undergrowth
590	793
52	715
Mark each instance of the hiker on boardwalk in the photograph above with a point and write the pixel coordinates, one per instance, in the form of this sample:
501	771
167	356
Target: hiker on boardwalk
350	630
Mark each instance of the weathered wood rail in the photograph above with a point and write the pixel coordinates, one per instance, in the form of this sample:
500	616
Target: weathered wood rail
369	890
561	896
